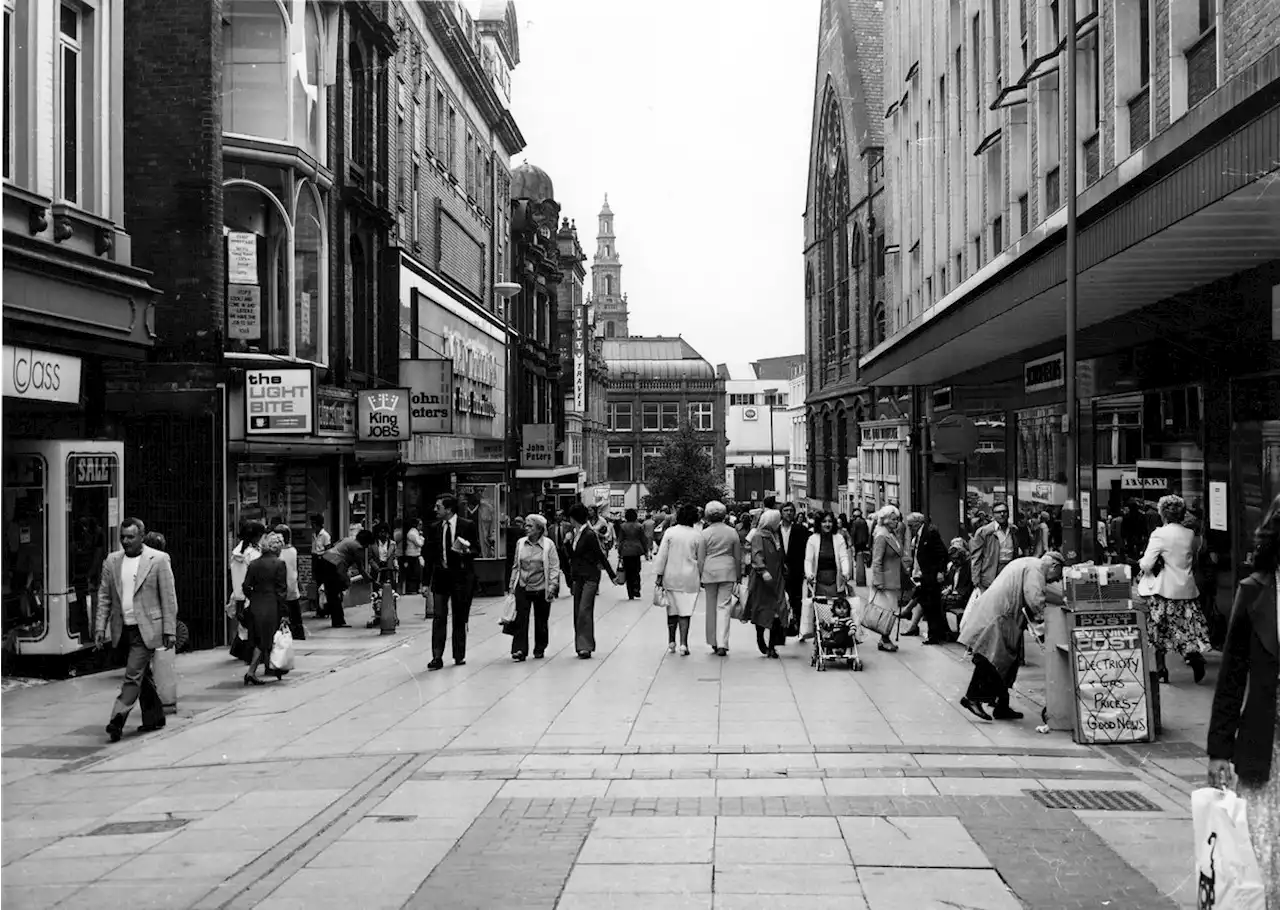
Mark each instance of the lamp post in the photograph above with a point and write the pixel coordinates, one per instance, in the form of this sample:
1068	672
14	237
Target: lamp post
771	397
1072	518
506	290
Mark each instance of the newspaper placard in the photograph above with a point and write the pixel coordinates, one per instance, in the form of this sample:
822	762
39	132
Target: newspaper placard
1110	677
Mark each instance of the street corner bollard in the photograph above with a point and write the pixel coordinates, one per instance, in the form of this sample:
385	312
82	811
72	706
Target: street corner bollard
389	616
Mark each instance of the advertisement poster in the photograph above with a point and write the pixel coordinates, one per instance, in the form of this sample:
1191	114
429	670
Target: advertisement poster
479	502
1217	505
1110	677
279	402
243	309
242	258
382	415
430	385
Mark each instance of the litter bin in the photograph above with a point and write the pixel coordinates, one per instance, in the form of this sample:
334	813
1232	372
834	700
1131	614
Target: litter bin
1100	680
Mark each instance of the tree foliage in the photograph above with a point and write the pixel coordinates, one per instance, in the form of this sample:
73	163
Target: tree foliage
684	472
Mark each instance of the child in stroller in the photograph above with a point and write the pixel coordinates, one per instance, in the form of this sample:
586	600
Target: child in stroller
837	633
839	630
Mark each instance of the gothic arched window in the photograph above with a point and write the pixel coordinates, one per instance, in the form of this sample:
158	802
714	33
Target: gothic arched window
609	330
608	285
842	446
832	205
879	325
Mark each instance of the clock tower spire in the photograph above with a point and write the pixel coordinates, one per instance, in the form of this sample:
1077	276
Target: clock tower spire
606	279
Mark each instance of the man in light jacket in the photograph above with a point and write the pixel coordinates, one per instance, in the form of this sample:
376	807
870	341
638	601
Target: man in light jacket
993	547
138	608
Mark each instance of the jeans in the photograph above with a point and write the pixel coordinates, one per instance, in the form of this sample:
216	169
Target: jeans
584	614
537	603
718	595
456	601
139	683
335	585
631	566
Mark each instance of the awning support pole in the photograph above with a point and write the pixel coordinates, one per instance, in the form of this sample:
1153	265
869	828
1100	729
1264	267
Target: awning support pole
1071	517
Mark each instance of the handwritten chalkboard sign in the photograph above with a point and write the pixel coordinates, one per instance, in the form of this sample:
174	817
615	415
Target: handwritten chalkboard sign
1109	665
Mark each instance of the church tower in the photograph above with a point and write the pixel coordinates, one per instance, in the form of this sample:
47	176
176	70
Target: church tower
606	279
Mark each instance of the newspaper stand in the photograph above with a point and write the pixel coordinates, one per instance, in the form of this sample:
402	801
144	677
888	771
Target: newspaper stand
1100	681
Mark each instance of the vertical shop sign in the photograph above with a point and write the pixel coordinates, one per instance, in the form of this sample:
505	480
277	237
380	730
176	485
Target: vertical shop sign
244	304
580	360
304	319
242	258
279	402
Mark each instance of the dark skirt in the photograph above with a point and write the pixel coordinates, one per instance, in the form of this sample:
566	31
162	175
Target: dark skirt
263	621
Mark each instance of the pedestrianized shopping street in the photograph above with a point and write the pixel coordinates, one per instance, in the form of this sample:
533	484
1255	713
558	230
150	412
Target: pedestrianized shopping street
636	779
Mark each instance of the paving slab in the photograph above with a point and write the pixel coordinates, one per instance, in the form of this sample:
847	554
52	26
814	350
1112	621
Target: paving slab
935	889
912	843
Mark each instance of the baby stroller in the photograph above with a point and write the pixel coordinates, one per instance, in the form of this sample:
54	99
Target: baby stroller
835	633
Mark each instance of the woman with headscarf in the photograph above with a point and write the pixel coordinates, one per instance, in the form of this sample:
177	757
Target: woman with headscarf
535	581
633	543
767	592
827	568
1169	585
679	566
885	577
266	588
720	573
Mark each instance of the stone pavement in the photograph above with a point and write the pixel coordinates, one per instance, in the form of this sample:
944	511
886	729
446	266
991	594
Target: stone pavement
638	779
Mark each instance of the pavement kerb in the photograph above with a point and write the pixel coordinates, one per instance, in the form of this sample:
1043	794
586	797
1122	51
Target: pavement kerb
204	717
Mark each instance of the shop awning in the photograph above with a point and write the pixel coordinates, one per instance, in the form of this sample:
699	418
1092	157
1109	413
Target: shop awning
564	470
1170	237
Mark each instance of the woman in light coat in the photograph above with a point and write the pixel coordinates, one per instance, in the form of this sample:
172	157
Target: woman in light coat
679	567
767	591
720	573
265	588
535	581
885	578
1168	582
827	567
245	552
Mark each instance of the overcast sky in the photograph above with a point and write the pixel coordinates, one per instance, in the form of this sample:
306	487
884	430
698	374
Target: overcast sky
694	116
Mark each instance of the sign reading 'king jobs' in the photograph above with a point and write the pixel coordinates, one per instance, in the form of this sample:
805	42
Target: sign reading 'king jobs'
279	402
383	415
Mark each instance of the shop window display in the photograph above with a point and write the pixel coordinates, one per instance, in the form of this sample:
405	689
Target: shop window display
24	543
986	469
1041	456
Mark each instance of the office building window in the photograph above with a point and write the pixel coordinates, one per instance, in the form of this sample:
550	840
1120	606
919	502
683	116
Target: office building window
648	455
619	464
10	71
441	136
701	415
741	400
650	416
619	415
670	415
70	92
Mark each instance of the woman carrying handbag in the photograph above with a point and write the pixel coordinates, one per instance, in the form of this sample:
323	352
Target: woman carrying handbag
885	578
767	591
535	582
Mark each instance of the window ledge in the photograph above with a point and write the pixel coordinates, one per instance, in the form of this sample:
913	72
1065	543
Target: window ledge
1201	39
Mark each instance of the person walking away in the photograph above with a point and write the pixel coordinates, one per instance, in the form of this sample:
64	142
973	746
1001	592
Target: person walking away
245	552
679	565
721	570
884	578
320	541
1173	600
604	530
137	612
336	564
535	582
659	529
1243	726
383	560
649	525
453	543
587	561
795	539
292	602
767	590
411	560
995	634
632	544
860	536
827	567
928	572
266	587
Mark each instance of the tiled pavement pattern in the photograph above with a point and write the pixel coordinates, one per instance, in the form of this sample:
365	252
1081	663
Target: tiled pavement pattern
637	780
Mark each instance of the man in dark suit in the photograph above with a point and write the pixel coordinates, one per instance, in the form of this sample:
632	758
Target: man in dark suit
795	537
929	569
452	545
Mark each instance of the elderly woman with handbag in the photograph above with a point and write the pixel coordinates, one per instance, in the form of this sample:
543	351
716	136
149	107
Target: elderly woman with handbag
767	591
535	582
885	578
266	590
721	569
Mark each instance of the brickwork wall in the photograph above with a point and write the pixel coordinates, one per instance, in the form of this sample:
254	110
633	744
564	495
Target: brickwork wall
1250	29
173	167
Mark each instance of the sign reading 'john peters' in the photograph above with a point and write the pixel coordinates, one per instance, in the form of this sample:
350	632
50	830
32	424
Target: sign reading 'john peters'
279	402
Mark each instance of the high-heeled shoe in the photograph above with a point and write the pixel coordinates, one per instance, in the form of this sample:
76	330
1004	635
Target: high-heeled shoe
251	680
1196	662
1162	675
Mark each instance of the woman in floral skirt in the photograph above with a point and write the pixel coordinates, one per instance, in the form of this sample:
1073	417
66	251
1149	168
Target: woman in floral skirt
1168	583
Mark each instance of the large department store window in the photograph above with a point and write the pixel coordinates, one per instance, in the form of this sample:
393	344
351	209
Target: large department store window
986	469
1040	457
1148	445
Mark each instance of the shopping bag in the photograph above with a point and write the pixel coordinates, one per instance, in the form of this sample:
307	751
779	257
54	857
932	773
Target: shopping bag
806	617
1229	875
738	604
877	617
660	598
281	660
165	674
508	613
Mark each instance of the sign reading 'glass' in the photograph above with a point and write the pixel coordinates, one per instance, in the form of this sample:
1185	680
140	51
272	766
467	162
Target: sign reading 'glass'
279	402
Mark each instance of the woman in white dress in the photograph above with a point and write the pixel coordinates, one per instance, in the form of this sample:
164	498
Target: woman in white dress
679	567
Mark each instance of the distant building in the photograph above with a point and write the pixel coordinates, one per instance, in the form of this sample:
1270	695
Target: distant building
655	384
798	436
606	279
758	454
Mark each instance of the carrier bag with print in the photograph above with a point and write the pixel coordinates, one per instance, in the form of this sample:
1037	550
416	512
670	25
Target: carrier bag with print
1228	874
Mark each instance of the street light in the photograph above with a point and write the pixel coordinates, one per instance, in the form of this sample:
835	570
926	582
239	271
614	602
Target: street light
505	290
771	397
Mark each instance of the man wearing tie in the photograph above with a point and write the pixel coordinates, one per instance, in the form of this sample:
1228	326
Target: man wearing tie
795	539
453	544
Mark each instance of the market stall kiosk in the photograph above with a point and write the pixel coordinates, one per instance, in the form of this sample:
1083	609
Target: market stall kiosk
62	508
1099	662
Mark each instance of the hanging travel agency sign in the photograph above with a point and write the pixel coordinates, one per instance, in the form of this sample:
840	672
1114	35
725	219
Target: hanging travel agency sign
580	359
279	402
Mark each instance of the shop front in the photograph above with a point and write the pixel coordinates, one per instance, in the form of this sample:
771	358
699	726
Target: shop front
453	359
882	469
290	443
